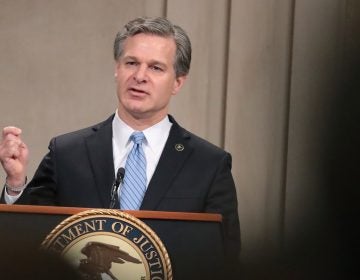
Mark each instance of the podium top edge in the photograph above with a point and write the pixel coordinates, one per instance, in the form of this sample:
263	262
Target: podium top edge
142	214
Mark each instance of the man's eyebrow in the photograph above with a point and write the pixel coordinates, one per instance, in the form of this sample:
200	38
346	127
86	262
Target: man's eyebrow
151	62
130	57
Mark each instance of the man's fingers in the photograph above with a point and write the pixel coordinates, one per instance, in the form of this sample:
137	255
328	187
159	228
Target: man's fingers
11	149
12	145
13	155
11	140
22	145
11	137
11	130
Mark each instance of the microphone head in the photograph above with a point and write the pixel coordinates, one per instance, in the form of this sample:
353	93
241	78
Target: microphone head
120	174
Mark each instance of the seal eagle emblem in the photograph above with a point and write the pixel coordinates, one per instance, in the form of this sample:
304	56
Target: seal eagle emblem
110	244
100	256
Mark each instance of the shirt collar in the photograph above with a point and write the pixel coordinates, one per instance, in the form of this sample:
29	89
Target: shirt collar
155	135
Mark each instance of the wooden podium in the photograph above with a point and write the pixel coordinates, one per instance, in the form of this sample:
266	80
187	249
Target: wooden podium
194	241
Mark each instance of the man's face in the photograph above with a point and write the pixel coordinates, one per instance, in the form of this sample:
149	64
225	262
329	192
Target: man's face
146	77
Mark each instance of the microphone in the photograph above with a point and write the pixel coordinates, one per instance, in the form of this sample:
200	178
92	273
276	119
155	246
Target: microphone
115	186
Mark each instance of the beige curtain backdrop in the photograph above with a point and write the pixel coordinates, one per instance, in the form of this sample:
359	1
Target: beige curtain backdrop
264	79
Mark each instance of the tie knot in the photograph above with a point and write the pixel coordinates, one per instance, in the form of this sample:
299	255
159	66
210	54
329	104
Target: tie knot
137	137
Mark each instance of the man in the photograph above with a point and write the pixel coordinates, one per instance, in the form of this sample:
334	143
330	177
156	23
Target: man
182	172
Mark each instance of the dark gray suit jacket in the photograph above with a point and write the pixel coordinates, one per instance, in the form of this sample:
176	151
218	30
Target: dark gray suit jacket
79	171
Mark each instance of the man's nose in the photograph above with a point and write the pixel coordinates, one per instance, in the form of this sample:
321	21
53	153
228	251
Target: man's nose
140	76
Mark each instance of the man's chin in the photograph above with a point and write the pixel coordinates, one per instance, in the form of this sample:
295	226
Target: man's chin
139	113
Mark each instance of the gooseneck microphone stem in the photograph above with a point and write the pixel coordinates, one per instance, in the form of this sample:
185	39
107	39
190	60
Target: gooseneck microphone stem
115	187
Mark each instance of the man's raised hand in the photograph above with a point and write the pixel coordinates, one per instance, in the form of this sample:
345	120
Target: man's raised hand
14	156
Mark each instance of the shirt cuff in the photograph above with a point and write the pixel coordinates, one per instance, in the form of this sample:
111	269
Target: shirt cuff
11	199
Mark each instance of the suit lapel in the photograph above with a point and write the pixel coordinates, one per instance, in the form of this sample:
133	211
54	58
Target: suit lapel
99	147
174	155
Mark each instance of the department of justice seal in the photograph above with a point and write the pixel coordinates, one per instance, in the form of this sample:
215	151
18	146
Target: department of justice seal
110	244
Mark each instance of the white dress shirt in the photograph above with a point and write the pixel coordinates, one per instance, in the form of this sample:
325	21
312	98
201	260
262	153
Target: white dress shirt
11	199
153	144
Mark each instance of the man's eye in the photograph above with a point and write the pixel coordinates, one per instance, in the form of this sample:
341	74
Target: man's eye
130	63
156	68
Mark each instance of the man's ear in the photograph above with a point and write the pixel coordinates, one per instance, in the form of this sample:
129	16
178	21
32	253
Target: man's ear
178	83
116	70
117	66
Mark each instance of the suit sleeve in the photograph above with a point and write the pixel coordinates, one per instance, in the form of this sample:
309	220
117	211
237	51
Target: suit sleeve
222	199
42	188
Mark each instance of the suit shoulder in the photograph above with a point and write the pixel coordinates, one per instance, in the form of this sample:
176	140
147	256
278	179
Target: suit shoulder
204	145
78	135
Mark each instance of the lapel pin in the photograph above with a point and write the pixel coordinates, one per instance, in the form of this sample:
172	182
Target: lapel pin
179	147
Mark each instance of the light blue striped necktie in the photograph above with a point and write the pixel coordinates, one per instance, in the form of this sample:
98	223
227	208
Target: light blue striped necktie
134	187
